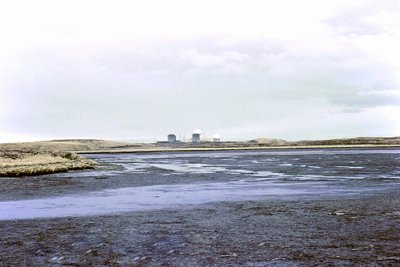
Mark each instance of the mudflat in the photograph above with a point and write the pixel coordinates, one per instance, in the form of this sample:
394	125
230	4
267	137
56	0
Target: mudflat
345	231
44	157
346	213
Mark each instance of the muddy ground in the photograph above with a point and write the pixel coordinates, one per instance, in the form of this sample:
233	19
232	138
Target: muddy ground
355	230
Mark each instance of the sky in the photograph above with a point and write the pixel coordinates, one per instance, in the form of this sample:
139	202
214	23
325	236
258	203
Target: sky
139	70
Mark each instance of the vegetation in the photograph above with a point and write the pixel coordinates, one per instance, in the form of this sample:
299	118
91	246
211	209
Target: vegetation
14	163
34	158
66	145
352	141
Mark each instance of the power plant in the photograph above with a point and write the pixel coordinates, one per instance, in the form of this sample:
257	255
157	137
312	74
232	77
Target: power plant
171	138
216	138
197	137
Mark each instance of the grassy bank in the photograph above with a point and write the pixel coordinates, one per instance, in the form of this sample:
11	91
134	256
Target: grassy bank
18	163
34	158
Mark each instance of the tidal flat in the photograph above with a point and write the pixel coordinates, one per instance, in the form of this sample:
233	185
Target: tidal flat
346	231
275	208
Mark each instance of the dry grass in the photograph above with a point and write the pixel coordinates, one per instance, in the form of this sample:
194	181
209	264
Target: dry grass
34	164
17	163
65	145
29	160
33	158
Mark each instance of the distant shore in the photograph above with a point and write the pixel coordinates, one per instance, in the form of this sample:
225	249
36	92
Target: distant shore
199	148
44	157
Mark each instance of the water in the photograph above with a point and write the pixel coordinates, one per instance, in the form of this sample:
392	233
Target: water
179	180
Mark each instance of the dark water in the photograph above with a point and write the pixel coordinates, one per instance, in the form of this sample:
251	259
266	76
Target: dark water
159	181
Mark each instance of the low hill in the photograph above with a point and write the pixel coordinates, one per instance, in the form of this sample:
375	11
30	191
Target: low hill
68	145
270	141
350	141
356	141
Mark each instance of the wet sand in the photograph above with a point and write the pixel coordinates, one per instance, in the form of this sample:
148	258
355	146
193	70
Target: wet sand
352	230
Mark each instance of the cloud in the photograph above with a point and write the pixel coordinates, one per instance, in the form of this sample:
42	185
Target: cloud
365	17
261	70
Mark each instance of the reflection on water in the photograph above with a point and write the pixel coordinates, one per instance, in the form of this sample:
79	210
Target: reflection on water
139	198
214	177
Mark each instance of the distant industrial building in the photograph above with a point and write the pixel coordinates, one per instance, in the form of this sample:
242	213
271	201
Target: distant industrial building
217	138
196	136
171	138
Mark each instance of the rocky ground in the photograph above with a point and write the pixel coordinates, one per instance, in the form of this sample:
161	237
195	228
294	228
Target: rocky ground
356	230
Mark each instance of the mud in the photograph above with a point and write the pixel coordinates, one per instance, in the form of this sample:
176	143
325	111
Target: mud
361	230
357	226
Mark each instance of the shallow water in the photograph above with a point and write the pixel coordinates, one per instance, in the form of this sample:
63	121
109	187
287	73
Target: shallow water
177	180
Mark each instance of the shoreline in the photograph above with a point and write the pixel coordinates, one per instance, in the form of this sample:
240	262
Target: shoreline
201	149
27	162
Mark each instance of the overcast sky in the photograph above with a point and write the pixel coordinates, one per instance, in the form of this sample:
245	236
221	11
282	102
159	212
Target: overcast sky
138	70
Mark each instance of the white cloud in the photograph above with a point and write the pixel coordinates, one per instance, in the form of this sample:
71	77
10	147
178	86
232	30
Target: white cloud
137	68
